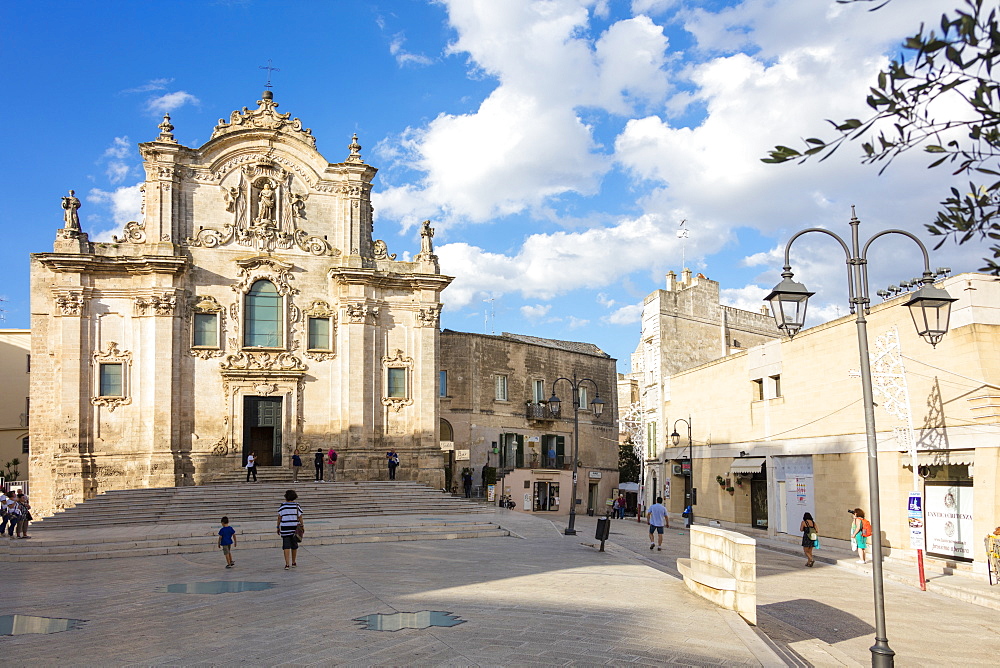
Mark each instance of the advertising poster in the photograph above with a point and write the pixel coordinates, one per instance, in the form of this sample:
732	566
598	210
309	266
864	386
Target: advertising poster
948	520
915	518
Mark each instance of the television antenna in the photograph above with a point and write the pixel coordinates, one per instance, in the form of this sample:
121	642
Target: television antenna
682	234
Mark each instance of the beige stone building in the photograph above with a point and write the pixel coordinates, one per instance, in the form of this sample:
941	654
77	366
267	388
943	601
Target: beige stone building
15	365
683	325
494	393
250	310
779	429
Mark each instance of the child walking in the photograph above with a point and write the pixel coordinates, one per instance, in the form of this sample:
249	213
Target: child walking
227	538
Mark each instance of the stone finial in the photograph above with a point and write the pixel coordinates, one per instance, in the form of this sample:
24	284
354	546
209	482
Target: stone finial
355	149
166	130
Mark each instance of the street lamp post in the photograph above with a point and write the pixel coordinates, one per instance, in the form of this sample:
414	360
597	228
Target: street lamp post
598	407
930	308
675	438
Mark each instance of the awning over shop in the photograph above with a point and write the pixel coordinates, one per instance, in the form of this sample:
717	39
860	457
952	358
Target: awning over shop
747	465
942	458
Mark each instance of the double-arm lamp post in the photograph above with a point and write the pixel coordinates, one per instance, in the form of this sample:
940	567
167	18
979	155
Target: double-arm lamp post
597	405
675	438
930	308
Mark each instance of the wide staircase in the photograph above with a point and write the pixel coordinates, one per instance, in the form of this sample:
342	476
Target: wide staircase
146	522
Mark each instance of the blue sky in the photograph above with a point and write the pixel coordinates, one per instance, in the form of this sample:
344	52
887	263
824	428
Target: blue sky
556	146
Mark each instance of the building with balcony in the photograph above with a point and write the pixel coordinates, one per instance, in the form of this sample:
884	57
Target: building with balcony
495	412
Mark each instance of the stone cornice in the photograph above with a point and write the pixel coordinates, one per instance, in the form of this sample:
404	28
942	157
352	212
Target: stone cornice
351	276
100	264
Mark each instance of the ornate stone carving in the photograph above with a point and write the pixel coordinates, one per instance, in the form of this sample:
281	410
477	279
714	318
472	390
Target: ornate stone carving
396	403
134	233
166	131
206	304
429	317
266	213
258	361
381	252
320	356
262	266
396	360
264	117
155	304
265	389
112	356
356	313
70	303
221	447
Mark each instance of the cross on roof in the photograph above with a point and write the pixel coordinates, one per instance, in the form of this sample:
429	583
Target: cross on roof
269	70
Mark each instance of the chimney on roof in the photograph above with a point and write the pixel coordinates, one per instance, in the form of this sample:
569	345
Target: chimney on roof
671	280
686	277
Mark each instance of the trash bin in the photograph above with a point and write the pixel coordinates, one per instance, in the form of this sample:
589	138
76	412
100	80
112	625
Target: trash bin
603	528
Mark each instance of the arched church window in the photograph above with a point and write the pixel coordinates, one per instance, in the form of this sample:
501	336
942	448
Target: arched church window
263	326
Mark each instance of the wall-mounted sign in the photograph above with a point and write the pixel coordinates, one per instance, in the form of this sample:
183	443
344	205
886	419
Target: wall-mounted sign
462	454
948	519
915	518
594	475
534	439
447	445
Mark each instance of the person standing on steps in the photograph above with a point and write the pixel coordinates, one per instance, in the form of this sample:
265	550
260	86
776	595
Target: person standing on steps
392	460
467	483
331	458
658	521
252	466
296	466
318	462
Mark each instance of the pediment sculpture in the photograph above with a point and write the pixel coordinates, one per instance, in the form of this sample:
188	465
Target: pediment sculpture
264	117
266	212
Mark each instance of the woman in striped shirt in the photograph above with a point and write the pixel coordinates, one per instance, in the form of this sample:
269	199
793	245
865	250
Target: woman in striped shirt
289	519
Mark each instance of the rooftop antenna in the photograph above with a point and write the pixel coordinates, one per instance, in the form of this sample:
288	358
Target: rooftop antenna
682	234
269	69
489	317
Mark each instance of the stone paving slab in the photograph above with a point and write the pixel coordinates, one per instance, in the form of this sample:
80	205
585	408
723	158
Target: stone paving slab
543	599
828	611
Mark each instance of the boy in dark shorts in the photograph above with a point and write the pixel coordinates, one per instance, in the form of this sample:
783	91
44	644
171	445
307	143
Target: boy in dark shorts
227	538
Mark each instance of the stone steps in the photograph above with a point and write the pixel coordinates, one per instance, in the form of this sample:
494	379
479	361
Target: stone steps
257	502
48	546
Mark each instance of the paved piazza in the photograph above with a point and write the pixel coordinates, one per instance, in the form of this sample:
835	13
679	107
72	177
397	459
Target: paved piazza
540	598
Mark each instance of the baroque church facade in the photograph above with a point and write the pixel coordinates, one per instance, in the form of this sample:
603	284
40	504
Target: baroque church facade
250	310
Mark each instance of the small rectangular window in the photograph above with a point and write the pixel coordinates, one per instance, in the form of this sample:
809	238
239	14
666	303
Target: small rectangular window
776	380
583	399
206	330
25	446
27	363
397	383
651	440
501	388
443	384
758	389
319	334
111	380
538	391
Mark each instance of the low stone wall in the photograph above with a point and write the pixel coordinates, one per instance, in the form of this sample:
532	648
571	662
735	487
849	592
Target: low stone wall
723	569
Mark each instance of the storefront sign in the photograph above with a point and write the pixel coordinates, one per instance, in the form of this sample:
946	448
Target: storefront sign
491	492
594	475
462	455
915	518
447	445
948	520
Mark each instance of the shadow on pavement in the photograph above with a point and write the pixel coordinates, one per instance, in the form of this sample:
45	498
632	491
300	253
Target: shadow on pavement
829	624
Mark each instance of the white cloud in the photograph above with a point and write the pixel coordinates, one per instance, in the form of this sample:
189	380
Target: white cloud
120	148
604	300
625	315
748	298
116	172
535	312
125	204
150	86
404	57
652	7
572	322
527	142
168	102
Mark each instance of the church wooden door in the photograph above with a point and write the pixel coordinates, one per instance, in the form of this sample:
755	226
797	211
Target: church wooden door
262	429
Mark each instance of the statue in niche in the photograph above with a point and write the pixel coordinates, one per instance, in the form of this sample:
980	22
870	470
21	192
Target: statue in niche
232	196
426	234
70	207
265	204
297	203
